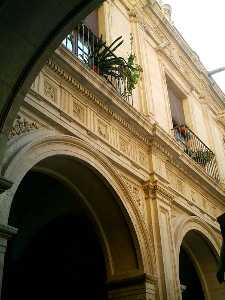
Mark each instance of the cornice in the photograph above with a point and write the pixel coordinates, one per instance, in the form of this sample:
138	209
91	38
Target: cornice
94	87
157	189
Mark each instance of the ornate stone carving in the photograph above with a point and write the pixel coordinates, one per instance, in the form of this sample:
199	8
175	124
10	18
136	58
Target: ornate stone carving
135	190
103	129
78	111
135	130
21	125
142	158
179	186
124	145
49	91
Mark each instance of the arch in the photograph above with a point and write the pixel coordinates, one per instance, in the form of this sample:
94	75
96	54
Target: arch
199	243
20	24
27	151
196	224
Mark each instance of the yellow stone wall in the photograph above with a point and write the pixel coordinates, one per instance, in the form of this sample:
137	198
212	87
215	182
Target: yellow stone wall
170	192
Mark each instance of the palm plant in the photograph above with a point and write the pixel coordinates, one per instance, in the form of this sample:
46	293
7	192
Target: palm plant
105	60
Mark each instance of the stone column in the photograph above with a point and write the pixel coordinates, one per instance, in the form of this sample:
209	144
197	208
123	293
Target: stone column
6	232
138	287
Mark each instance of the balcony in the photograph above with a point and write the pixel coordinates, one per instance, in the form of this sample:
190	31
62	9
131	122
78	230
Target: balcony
83	43
197	150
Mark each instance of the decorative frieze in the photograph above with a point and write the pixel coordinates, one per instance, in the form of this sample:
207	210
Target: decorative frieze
78	111
137	131
142	158
124	146
49	91
103	129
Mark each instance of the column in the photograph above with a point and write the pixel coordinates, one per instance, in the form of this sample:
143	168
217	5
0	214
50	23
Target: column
6	232
138	287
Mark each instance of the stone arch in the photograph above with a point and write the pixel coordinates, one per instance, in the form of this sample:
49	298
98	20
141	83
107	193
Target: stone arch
25	152
194	223
199	243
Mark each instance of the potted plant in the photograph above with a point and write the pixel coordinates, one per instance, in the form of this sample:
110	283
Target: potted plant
106	63
202	157
104	60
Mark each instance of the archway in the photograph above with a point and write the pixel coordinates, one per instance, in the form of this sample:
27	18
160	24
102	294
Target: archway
56	253
94	201
198	262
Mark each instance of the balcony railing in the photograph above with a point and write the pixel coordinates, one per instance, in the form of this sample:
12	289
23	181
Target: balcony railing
82	43
197	150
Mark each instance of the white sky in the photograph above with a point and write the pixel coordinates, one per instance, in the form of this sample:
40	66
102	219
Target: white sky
202	24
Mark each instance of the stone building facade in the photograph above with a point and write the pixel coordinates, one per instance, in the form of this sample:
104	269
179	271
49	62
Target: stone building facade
125	163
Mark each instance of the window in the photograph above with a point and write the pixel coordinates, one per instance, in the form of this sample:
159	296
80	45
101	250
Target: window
81	40
176	104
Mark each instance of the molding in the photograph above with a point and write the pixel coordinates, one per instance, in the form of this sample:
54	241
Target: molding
5	184
131	279
7	231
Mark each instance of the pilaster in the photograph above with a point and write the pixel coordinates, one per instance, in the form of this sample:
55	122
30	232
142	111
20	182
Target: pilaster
161	201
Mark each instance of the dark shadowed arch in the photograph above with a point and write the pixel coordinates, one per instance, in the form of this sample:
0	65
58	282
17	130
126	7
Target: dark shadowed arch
67	193
198	262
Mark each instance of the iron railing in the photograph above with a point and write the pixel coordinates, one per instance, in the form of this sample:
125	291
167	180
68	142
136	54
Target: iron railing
197	150
82	43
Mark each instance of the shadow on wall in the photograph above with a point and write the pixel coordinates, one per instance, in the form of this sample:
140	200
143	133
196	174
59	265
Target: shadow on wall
57	254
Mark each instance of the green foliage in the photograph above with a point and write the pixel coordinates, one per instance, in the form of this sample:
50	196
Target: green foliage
104	58
109	64
131	73
200	156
